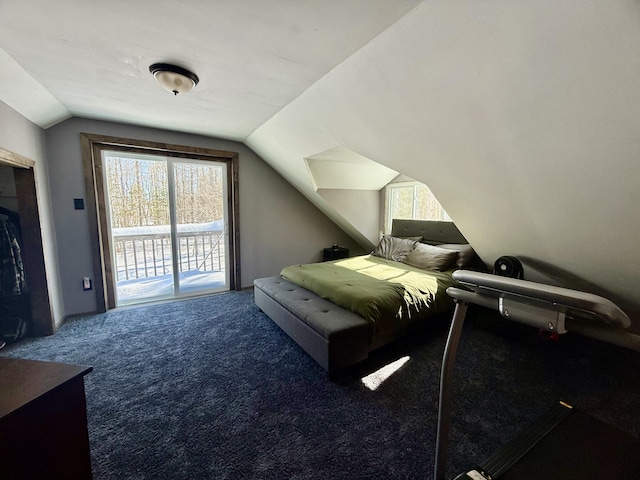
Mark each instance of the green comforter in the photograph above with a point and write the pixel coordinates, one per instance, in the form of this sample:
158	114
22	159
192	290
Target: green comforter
388	294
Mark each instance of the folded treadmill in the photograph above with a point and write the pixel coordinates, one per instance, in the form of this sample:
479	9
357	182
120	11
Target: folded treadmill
564	443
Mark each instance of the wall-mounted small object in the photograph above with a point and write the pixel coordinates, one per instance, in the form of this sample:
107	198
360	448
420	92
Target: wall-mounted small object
78	203
86	283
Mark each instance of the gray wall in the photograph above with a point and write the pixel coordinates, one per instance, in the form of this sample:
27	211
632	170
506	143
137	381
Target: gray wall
278	226
19	135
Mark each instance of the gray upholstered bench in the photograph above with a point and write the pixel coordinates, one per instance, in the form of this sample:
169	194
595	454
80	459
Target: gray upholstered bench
332	336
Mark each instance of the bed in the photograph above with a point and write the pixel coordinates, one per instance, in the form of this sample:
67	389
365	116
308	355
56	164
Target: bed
341	310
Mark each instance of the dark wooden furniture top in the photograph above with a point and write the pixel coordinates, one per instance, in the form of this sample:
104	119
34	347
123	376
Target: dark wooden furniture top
43	421
24	381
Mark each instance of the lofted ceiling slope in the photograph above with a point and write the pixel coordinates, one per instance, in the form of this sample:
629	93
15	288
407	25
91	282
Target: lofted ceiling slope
521	116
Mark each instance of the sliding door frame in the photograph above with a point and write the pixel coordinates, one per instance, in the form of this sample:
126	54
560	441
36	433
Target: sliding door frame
92	146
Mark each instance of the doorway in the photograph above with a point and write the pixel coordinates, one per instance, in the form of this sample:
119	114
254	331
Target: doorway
167	222
24	173
166	219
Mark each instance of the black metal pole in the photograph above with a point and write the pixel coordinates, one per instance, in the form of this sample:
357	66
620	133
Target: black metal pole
446	388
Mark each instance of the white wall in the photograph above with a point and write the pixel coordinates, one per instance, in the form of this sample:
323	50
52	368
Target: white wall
522	118
278	226
350	204
19	135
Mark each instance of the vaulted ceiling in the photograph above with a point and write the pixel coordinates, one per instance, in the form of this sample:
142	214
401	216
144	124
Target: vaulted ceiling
521	116
253	57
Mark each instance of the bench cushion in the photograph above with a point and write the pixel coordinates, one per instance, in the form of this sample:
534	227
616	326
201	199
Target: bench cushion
323	316
331	335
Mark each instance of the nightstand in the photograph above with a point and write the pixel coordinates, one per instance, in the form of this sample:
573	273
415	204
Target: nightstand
335	252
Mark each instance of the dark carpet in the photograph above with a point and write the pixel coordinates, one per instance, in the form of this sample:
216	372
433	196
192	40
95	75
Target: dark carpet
210	388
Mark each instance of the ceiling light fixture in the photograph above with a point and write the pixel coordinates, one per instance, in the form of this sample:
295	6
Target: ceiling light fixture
173	78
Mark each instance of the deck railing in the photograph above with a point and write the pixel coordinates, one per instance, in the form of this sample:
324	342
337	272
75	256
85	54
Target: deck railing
146	255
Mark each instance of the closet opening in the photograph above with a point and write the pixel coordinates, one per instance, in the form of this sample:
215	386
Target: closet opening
25	309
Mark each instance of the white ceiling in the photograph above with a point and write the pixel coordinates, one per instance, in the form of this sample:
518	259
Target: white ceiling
253	57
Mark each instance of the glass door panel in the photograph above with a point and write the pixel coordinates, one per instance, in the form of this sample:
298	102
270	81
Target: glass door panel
199	196
138	207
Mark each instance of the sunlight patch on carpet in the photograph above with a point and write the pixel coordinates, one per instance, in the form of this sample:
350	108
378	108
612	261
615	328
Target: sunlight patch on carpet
377	378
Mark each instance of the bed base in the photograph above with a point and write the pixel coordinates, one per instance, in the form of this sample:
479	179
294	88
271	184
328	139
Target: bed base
333	336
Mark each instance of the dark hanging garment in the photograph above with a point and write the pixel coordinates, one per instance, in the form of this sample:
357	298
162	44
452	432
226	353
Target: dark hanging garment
12	278
15	310
14	219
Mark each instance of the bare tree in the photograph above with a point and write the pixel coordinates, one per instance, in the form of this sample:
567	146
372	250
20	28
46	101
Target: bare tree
138	192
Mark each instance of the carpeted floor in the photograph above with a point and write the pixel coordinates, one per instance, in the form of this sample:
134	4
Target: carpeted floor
210	388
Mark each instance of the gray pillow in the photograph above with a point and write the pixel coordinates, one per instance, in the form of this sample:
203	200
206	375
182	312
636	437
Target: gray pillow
466	254
394	248
430	257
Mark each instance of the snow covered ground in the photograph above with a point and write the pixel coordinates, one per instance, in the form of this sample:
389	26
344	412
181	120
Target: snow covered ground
161	287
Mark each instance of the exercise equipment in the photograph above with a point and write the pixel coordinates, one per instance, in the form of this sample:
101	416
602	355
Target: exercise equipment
551	309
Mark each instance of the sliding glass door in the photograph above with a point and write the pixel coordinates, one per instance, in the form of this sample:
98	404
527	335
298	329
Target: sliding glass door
167	220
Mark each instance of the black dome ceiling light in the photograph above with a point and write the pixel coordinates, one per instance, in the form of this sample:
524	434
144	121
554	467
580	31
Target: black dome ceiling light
173	78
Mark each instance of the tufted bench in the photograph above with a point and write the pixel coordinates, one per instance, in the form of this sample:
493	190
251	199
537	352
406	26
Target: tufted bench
332	336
